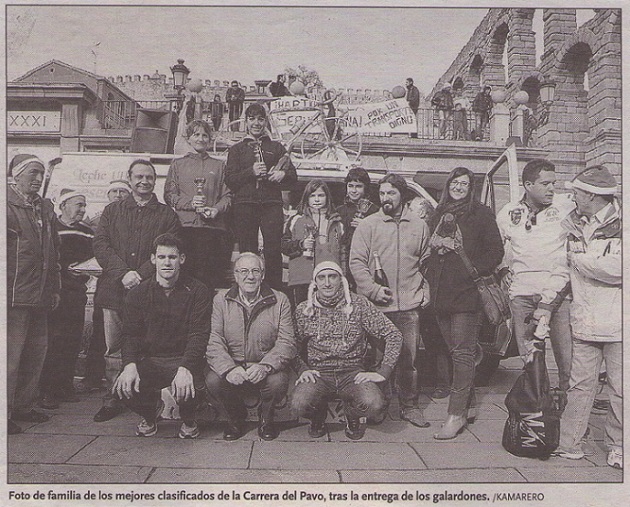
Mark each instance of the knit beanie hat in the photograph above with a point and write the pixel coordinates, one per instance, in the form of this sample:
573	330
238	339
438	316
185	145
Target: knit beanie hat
311	301
19	162
596	180
119	185
68	193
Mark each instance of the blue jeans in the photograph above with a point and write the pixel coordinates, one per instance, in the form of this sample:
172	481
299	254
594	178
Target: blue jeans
560	334
359	400
461	332
405	373
585	368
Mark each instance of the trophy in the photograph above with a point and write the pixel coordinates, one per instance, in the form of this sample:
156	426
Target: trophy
202	209
363	206
309	253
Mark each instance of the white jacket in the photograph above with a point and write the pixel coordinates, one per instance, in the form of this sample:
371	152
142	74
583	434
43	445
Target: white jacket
596	275
536	253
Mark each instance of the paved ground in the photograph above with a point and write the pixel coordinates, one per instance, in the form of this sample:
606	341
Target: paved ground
71	448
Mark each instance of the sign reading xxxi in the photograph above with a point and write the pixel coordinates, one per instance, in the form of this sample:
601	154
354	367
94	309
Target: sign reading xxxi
34	121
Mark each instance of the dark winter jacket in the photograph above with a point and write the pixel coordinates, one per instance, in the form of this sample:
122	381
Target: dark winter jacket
155	325
452	287
123	243
32	254
240	177
413	98
347	211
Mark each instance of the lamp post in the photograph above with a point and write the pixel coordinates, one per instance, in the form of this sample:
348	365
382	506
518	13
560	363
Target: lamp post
547	93
180	75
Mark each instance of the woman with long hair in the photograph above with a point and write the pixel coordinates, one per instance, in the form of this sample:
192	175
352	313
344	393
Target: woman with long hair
460	222
312	236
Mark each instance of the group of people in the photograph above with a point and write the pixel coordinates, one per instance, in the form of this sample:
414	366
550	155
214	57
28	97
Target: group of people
364	279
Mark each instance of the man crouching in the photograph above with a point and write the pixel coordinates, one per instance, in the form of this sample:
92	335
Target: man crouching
251	343
332	329
166	324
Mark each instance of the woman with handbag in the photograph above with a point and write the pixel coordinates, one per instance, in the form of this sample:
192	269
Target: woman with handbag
464	235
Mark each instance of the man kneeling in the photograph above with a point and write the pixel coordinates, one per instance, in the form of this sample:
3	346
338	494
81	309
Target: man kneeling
251	343
166	324
332	328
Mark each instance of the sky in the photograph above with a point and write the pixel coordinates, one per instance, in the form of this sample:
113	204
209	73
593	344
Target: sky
368	48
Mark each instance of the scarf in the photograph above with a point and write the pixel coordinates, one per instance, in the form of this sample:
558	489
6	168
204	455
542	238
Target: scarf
330	301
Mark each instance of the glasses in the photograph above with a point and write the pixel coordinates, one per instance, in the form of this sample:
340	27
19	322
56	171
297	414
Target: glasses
463	184
244	272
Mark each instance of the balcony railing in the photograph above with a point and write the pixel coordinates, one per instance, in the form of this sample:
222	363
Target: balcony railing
452	125
121	114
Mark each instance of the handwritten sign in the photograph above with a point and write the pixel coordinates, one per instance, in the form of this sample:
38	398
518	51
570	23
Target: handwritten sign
287	113
392	116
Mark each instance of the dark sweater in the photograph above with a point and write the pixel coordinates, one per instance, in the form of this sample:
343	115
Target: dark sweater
155	325
75	245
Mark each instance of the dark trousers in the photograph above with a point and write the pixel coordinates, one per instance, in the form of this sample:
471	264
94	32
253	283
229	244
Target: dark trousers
359	400
65	331
269	218
156	373
207	255
270	391
95	357
435	365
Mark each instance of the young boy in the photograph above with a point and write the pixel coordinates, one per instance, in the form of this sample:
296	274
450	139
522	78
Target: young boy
196	189
355	208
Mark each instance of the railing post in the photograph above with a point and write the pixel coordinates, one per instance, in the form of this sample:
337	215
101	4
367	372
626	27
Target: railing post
499	123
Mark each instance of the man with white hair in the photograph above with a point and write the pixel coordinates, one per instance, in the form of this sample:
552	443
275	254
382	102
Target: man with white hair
594	251
332	329
32	286
251	343
66	322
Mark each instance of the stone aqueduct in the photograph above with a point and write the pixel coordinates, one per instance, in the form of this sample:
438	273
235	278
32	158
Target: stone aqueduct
584	122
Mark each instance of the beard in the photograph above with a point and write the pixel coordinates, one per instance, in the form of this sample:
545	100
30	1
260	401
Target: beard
388	208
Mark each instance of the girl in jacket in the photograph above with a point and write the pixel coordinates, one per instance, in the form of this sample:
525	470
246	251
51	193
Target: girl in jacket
460	222
313	235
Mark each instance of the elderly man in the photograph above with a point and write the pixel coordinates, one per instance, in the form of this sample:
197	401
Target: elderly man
32	284
332	329
165	332
251	343
122	246
594	250
66	322
398	240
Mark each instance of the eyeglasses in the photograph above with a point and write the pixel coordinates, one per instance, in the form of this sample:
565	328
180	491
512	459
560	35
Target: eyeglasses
244	272
463	184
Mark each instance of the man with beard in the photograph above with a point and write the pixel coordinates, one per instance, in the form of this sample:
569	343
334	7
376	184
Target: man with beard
399	240
413	98
122	246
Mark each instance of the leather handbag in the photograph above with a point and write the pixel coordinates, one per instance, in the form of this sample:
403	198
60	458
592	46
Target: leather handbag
494	300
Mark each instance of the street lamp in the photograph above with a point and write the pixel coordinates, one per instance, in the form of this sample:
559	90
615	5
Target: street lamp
180	75
547	93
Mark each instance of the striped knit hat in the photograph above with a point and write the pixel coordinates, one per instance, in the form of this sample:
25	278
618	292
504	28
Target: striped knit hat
311	301
596	180
19	162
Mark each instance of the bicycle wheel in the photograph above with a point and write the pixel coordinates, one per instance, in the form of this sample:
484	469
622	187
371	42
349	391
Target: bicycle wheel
338	142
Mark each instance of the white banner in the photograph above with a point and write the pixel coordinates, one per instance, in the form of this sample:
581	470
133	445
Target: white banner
291	112
392	116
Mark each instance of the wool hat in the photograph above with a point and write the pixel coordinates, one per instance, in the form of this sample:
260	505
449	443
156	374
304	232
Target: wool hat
447	86
311	300
118	184
596	180
19	162
68	193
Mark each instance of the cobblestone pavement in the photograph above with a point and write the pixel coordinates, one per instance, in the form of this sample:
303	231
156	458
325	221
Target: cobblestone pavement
71	449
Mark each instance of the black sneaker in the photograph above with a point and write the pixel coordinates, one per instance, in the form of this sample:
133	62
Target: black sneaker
317	429
355	428
233	431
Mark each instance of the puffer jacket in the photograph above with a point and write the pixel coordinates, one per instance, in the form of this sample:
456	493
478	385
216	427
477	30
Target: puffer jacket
596	276
403	247
33	272
264	336
300	267
123	243
180	188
